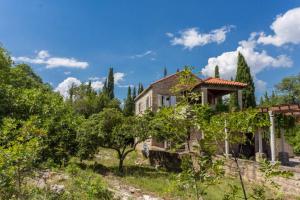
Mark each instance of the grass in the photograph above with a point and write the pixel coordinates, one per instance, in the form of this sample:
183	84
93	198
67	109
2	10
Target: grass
78	184
138	173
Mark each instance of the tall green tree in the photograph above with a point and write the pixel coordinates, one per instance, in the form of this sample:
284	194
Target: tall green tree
219	99
134	93
140	88
289	89
217	74
129	104
233	101
110	83
165	72
104	89
261	101
243	75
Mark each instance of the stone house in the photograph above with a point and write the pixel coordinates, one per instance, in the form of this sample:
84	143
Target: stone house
159	94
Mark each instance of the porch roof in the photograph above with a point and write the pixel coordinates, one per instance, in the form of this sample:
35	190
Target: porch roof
222	82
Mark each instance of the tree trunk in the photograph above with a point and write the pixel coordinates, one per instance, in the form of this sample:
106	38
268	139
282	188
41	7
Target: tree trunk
121	165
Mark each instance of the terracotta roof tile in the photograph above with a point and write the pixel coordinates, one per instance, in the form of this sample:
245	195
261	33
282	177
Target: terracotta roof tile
219	81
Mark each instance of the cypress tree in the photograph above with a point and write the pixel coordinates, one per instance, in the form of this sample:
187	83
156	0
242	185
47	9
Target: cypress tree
140	89
217	74
266	98
165	72
273	99
104	89
243	75
129	104
71	92
134	93
233	101
261	102
89	88
110	83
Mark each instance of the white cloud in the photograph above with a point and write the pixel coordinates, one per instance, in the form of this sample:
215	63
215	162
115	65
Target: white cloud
169	34
64	87
96	85
67	73
286	29
44	58
260	85
95	78
43	54
125	86
191	37
147	53
257	60
119	77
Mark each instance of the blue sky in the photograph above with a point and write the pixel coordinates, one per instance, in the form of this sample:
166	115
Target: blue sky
82	39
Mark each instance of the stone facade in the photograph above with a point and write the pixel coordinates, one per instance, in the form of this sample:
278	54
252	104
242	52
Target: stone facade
160	94
250	172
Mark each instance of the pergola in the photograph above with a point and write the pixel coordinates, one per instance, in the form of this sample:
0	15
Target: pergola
285	109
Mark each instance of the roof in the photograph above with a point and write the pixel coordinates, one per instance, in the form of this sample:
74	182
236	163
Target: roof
162	79
219	81
210	80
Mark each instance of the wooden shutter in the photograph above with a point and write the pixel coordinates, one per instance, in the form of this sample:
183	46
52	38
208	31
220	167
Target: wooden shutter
159	102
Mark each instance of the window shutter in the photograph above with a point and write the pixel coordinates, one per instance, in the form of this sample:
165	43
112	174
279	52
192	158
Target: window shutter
173	100
159	102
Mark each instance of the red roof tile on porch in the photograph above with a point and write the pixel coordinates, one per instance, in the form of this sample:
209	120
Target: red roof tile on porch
219	81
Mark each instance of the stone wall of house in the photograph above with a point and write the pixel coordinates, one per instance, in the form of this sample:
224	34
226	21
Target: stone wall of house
142	102
250	172
163	87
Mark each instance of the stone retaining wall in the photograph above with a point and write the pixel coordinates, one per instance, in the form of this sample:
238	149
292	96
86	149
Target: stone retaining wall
250	172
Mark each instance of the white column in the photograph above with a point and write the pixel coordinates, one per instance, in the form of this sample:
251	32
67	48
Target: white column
226	141
166	144
204	96
282	139
260	147
240	99
272	136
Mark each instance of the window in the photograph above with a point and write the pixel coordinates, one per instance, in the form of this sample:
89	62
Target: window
140	107
166	100
147	102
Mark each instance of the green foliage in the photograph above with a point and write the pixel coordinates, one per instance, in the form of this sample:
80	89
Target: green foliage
129	106
199	172
86	101
140	88
185	84
217	73
232	194
111	129
271	170
165	72
289	89
243	75
20	144
24	97
293	138
274	99
110	84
